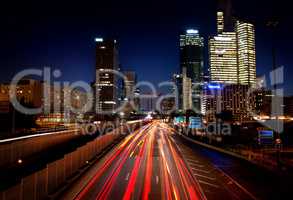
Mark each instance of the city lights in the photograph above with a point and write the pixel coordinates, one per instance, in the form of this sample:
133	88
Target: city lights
99	39
191	31
122	100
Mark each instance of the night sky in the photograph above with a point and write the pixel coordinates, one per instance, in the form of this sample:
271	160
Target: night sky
61	35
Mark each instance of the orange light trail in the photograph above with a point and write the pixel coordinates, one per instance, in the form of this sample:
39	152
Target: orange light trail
177	182
107	163
149	167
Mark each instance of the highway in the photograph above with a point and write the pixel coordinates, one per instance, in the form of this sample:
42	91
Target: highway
152	163
146	165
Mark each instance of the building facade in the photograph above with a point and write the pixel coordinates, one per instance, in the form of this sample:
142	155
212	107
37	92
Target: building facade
232	54
186	92
235	98
246	53
106	84
192	54
192	64
178	90
262	102
288	106
223	61
29	92
130	97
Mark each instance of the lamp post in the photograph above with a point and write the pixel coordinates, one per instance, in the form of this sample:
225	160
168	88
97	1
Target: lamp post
273	25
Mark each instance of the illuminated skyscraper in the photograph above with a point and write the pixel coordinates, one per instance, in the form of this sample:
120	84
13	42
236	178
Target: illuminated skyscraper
220	22
232	54
225	8
223	54
192	63
246	53
186	92
178	90
183	91
106	81
191	54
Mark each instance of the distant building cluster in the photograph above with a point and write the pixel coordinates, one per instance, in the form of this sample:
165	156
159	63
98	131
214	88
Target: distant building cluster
55	108
232	65
232	54
231	84
114	88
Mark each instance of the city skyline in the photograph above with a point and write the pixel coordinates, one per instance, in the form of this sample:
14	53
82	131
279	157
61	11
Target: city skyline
134	52
147	99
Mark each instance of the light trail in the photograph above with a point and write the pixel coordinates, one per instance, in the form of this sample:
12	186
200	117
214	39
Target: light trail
136	153
149	167
116	170
130	187
107	163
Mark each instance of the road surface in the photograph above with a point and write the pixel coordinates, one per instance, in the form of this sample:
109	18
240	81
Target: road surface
146	165
152	163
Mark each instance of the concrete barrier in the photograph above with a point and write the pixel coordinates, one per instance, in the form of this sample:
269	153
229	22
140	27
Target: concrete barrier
12	151
29	187
52	177
13	193
42	184
68	165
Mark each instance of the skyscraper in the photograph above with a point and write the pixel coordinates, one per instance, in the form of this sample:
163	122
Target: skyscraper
220	22
232	62
129	83
106	80
192	63
130	96
246	53
178	92
225	7
223	55
191	54
232	54
186	92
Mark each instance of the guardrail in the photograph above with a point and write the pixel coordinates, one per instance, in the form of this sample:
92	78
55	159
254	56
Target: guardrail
41	184
256	158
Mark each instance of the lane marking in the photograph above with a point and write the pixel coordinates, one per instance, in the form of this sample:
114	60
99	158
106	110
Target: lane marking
127	176
191	160
183	150
209	184
200	170
196	165
184	155
238	184
207	177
